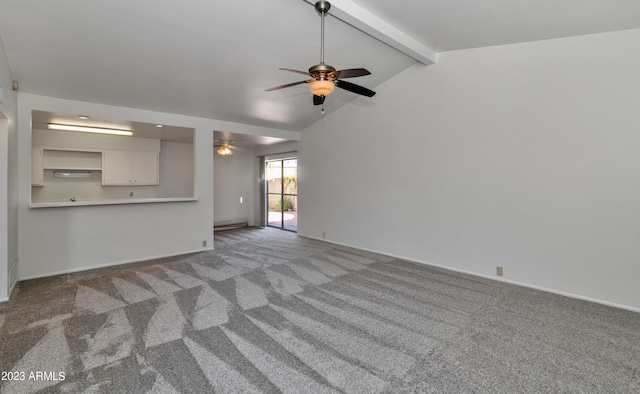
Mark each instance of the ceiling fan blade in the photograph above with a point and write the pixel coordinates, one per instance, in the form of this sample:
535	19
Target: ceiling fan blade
351	73
286	86
318	100
352	87
295	71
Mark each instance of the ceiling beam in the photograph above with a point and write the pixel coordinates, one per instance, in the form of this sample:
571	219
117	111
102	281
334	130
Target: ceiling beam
363	20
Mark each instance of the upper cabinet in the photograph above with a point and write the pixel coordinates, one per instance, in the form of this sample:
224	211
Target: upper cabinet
120	168
60	159
72	159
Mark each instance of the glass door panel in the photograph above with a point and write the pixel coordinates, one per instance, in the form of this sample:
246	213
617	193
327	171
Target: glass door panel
282	193
290	176
274	218
290	213
274	177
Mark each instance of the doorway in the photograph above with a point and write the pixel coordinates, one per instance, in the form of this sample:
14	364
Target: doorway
282	193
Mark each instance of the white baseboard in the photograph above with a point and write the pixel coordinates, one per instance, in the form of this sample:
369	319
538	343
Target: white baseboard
497	279
93	267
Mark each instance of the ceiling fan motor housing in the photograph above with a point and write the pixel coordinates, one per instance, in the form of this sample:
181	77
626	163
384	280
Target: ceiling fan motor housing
322	72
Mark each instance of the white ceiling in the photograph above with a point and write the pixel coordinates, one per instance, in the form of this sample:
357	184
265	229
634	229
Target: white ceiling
214	59
447	25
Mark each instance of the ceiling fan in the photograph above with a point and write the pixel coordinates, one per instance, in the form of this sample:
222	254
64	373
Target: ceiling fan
324	77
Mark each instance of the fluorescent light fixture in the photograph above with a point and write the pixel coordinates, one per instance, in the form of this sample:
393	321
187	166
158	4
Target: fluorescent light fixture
84	129
72	174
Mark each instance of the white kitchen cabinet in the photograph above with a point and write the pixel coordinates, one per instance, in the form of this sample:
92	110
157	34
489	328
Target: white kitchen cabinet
145	168
130	168
37	163
61	159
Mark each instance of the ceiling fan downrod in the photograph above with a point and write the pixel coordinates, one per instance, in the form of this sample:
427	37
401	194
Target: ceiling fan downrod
322	7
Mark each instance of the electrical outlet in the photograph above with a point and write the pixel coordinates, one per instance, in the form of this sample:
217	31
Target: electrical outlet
204	243
499	271
131	194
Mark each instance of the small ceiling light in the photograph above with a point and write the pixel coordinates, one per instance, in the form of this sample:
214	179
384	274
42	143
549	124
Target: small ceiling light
225	150
54	126
83	117
321	87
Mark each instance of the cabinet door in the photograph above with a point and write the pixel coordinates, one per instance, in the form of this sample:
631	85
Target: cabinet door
116	168
37	162
144	166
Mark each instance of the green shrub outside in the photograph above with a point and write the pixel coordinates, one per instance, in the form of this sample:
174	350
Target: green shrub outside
288	204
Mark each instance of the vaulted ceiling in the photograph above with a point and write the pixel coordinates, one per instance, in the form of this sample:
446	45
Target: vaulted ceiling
215	59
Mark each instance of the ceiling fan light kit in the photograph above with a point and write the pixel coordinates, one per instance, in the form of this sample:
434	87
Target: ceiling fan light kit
225	150
324	77
322	87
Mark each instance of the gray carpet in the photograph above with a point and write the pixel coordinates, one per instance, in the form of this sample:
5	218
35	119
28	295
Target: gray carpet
269	311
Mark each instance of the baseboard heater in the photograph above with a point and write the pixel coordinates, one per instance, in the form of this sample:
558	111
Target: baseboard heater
230	225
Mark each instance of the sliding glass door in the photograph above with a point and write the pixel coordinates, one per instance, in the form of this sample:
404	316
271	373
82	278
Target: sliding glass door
282	193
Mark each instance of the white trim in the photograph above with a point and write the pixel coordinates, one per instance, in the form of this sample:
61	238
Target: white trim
15	284
14	266
497	279
125	262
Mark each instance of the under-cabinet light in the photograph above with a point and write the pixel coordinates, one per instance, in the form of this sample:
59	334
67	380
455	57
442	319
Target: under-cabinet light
55	126
72	174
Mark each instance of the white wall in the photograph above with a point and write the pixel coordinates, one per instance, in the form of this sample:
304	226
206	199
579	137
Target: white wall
176	170
8	180
278	149
234	178
524	156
